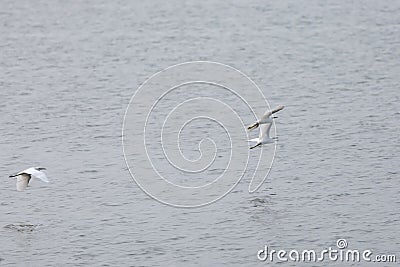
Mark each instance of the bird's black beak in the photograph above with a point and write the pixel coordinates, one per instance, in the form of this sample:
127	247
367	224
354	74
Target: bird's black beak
274	117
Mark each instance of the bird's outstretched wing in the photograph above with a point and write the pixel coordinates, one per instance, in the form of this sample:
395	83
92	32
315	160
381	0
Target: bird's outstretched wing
270	112
253	126
278	108
23	181
38	174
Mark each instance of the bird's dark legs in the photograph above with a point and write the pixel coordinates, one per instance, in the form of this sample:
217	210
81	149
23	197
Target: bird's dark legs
259	144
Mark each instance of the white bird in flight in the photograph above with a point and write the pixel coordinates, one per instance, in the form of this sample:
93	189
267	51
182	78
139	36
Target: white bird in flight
25	176
266	122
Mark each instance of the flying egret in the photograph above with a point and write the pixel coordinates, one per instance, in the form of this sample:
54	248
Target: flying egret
266	123
25	176
265	119
263	137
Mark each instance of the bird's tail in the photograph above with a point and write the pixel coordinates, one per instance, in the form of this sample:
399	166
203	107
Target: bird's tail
253	126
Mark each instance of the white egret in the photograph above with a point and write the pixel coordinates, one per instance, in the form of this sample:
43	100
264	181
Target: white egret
266	123
265	119
25	176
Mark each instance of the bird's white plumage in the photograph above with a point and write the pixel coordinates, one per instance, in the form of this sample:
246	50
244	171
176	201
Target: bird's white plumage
266	118
23	181
36	173
268	114
264	137
264	131
265	123
24	177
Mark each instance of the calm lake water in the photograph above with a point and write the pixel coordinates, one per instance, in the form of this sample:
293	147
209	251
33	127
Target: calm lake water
69	69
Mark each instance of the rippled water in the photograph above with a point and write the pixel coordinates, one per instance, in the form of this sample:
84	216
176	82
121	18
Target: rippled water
68	71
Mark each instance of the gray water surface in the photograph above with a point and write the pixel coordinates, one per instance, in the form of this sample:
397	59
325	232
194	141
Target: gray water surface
68	70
